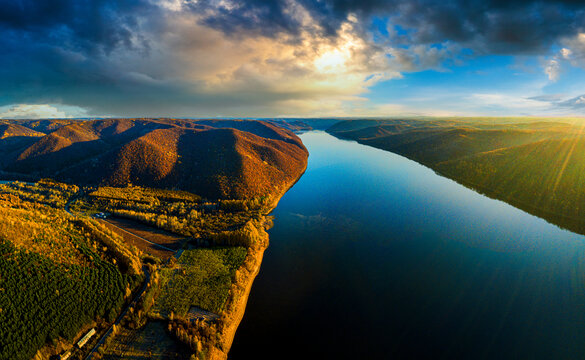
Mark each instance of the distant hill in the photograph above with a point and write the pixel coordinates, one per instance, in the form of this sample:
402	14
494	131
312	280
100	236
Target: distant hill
14	130
303	124
538	166
354	125
46	126
293	125
212	158
14	139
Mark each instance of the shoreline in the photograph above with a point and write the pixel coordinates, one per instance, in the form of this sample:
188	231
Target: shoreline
564	222
238	305
236	308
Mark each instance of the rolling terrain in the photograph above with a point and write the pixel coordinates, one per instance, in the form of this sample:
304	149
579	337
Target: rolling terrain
170	188
213	158
537	165
60	274
13	139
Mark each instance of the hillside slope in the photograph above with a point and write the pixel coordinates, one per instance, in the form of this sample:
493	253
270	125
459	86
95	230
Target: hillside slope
14	138
213	158
14	130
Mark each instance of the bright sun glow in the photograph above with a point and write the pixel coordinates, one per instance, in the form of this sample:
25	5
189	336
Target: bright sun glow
336	59
331	61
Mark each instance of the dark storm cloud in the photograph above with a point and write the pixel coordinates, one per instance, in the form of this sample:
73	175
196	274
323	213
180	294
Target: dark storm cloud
53	47
81	52
497	26
92	25
249	16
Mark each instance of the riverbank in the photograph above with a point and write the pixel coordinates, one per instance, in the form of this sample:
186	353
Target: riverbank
574	224
213	339
236	306
240	292
414	256
565	222
535	167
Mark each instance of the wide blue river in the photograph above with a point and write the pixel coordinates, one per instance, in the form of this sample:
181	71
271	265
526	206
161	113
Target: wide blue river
375	256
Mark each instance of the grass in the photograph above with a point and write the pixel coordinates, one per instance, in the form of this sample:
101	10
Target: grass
202	278
149	342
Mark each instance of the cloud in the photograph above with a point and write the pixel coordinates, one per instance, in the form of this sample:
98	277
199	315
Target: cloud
551	98
572	53
553	69
90	26
192	69
494	26
508	103
254	57
39	111
574	49
576	103
559	104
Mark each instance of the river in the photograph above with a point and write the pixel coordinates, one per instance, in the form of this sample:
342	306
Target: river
375	256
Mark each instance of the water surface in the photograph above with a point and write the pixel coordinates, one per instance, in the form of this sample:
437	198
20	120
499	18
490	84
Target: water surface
375	256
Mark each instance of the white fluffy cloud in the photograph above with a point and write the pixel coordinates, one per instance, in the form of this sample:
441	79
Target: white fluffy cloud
553	69
193	69
572	53
289	73
39	111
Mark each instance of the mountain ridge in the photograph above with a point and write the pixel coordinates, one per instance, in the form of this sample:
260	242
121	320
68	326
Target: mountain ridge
213	158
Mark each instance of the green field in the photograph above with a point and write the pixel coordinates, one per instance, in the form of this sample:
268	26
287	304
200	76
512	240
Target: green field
202	278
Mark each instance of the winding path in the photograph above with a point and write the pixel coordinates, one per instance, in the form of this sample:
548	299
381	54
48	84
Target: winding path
71	200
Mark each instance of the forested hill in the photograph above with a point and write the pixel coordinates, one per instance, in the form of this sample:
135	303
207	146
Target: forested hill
213	158
536	165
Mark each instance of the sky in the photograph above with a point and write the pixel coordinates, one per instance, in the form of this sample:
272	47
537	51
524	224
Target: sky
291	58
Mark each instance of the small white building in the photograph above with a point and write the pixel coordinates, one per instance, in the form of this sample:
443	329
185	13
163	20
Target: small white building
85	338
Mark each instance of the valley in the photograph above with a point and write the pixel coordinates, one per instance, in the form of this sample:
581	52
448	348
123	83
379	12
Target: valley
151	232
292	179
